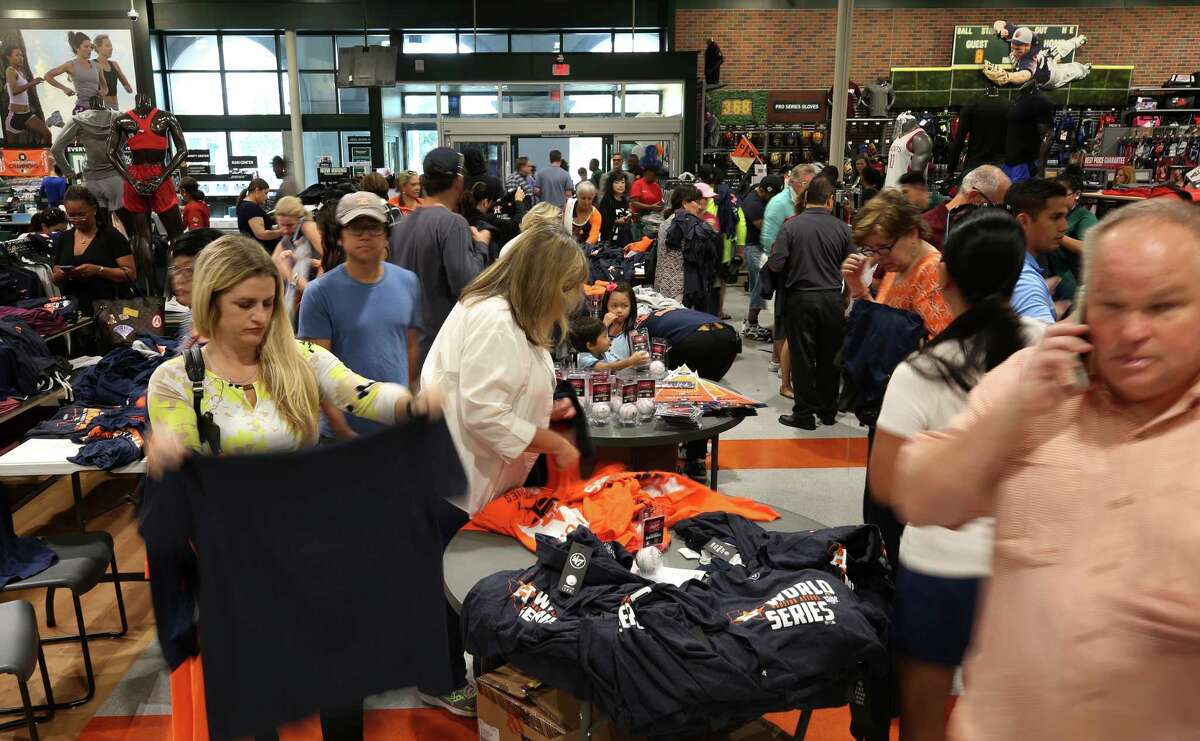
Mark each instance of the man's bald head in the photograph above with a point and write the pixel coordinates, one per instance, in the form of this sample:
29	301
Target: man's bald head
1129	223
1142	278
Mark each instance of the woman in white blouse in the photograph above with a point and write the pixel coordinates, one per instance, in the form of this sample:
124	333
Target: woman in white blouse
492	361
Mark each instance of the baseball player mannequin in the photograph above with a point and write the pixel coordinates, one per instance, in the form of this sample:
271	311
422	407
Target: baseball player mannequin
910	150
148	187
1036	59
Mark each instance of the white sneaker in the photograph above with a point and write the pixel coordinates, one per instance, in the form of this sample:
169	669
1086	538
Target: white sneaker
772	366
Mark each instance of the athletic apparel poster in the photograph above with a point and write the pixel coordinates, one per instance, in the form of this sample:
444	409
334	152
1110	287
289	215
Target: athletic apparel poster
45	49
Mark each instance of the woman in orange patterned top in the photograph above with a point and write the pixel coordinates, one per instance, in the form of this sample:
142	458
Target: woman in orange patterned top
889	232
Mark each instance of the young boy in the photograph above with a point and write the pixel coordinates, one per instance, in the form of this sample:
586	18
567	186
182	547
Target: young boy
590	339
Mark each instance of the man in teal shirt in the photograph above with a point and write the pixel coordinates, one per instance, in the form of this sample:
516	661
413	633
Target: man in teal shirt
779	209
1066	261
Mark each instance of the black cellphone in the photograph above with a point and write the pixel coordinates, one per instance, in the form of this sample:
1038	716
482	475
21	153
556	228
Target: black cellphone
1079	316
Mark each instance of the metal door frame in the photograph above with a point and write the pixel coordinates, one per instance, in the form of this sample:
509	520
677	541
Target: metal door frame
503	141
452	130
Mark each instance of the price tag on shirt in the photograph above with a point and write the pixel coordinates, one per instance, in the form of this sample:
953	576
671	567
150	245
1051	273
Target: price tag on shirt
654	528
574	570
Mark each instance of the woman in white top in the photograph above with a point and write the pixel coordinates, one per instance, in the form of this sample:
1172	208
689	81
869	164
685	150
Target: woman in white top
491	361
941	569
21	116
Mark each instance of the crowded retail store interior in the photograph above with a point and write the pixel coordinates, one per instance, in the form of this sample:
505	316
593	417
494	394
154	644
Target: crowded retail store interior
670	369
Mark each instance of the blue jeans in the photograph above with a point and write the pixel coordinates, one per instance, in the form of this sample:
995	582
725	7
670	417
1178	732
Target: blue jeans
754	258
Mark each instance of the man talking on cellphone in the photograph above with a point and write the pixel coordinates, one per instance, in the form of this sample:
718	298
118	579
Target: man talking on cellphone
1083	449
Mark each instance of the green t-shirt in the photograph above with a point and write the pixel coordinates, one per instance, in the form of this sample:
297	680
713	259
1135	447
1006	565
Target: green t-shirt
1066	264
1079	221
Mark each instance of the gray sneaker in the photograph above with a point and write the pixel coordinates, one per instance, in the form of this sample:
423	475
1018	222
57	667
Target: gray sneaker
460	702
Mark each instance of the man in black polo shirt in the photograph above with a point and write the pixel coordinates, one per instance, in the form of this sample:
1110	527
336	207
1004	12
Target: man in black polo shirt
807	257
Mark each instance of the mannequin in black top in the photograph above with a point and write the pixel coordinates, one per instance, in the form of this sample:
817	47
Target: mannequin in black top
982	131
713	59
145	130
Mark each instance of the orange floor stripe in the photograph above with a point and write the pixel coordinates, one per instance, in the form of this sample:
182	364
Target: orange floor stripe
425	723
826	725
829	452
127	728
421	723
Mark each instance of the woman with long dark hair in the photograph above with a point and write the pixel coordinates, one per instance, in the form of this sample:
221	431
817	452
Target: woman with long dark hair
93	260
940	569
85	73
19	81
615	219
196	214
111	71
252	217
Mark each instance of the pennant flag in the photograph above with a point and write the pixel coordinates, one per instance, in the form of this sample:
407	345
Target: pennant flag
744	155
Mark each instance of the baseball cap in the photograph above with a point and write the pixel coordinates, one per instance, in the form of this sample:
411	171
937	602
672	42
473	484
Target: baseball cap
444	161
771	184
362	203
705	189
1022	35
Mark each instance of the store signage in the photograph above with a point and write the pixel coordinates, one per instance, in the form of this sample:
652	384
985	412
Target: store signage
199	162
1104	163
243	164
332	174
797	106
560	70
358	148
737	107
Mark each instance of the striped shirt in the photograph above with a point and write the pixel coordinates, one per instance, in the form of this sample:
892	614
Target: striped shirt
1092	508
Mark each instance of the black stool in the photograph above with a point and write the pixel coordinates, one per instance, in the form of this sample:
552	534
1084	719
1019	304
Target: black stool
82	560
20	649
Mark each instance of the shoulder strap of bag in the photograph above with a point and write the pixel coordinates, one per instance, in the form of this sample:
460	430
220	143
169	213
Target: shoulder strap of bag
209	432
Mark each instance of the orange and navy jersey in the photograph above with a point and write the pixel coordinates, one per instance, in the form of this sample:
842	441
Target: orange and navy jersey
610	505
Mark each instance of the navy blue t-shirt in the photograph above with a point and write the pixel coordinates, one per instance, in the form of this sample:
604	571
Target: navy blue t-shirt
753	209
675	324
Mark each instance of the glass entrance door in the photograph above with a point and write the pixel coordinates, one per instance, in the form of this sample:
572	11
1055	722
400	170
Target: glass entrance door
656	149
495	153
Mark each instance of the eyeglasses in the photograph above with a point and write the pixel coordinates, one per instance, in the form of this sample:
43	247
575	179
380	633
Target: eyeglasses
76	218
181	270
881	251
371	230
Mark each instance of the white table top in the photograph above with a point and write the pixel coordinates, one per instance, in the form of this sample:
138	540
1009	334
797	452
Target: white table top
40	457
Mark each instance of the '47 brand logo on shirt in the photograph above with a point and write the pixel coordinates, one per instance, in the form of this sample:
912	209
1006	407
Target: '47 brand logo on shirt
804	603
533	605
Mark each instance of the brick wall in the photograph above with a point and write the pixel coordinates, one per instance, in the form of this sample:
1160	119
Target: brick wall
795	48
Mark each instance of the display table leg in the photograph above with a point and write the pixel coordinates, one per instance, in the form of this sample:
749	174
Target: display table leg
802	724
712	469
585	720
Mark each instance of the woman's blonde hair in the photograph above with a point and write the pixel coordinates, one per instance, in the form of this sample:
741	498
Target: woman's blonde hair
543	213
890	215
290	206
290	382
540	277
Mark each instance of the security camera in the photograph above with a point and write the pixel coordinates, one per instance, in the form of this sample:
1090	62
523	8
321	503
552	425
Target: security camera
133	14
562	127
